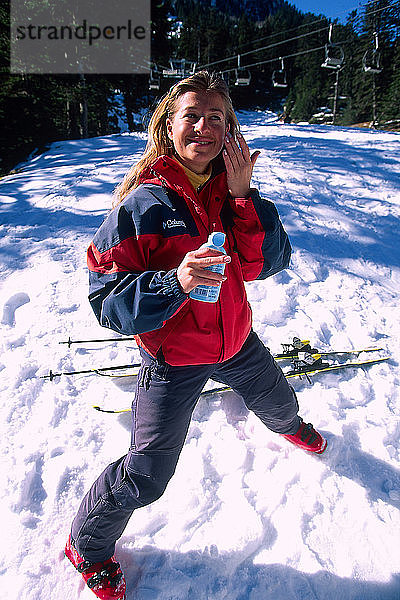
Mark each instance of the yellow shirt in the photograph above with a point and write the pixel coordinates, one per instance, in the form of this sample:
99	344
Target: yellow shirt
196	179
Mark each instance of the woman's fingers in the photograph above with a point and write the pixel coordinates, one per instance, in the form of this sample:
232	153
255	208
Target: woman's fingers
234	152
244	147
254	157
239	165
193	269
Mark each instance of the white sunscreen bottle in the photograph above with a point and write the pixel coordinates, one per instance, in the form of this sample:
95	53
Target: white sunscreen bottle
210	293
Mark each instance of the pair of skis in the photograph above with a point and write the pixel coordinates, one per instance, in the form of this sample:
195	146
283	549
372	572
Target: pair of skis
308	361
303	367
295	351
305	360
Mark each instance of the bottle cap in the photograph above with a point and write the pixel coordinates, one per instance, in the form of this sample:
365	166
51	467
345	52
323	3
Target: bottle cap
217	238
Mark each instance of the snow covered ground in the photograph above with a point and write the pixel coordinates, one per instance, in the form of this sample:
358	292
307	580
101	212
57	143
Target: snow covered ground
247	516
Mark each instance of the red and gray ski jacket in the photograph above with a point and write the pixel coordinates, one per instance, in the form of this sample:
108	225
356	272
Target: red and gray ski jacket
135	253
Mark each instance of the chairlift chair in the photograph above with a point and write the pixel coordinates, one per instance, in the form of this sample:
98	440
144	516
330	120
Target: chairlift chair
242	76
180	67
154	81
334	54
371	64
279	77
371	59
171	71
184	67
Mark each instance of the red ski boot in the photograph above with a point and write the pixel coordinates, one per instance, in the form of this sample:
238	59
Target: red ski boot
105	579
307	438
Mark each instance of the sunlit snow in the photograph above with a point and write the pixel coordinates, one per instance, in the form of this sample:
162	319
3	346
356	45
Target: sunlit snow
247	515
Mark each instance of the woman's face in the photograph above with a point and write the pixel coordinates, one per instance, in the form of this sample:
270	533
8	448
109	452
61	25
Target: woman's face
198	128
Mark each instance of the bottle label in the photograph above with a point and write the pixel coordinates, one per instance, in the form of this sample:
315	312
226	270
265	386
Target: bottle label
210	293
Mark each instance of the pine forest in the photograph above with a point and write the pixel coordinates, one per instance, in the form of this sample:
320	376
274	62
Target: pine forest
274	57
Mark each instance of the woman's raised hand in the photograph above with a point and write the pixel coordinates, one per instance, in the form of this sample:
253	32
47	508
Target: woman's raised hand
239	165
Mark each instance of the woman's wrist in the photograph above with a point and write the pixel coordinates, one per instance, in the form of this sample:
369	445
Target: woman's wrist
242	196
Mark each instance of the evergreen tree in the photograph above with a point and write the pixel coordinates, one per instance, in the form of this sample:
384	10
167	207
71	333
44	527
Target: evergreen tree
389	92
38	109
390	104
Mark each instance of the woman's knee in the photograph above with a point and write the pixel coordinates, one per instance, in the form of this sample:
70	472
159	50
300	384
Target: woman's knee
146	477
277	408
135	491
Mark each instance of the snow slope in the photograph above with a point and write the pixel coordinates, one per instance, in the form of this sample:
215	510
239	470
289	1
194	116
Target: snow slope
247	516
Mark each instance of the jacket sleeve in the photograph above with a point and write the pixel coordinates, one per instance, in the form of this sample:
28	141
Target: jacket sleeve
261	241
125	295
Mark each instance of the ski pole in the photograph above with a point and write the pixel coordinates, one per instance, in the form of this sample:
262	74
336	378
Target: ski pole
69	342
52	375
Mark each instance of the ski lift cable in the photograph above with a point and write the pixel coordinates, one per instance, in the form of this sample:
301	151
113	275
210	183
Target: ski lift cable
271	60
158	67
288	40
274	45
145	67
272	35
359	19
235	56
373	12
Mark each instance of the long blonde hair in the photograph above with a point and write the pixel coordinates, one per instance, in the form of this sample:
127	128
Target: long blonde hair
158	142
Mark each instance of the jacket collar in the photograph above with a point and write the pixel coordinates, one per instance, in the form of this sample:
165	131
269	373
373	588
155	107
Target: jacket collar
168	172
164	164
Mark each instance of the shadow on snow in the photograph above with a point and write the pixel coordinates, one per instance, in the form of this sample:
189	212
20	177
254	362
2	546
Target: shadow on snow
154	574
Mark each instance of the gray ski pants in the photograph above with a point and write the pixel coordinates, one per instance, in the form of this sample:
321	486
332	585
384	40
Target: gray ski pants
161	411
